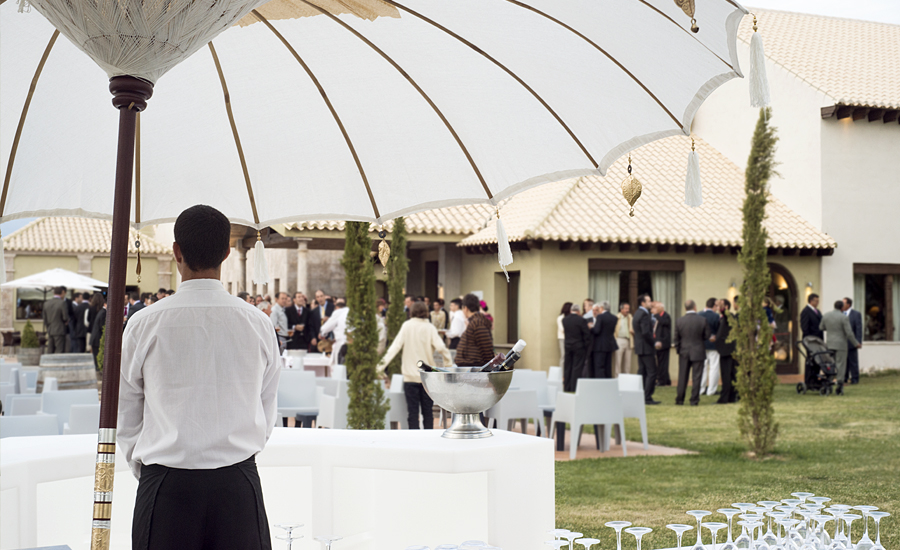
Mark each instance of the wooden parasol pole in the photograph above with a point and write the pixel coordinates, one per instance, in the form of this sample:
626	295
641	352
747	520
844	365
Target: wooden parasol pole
130	96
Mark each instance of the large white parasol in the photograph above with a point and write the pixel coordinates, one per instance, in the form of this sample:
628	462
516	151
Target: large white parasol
46	280
331	109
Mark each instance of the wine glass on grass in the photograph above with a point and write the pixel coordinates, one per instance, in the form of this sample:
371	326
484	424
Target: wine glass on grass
848	521
587	543
557	533
744	542
679	529
878	516
638	532
571	536
803	496
728	513
698	515
556	544
618	525
865	543
714	527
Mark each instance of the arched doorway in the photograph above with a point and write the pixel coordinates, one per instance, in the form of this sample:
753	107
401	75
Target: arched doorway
783	293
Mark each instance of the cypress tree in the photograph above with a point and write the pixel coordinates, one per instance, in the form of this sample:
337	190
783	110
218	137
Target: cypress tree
397	268
756	376
367	402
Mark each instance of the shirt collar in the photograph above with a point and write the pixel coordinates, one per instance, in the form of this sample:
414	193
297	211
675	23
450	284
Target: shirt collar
201	284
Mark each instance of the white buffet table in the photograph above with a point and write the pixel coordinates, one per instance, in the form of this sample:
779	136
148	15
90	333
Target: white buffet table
380	490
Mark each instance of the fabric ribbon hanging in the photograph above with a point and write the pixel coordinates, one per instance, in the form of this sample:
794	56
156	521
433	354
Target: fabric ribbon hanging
260	267
759	82
504	252
693	188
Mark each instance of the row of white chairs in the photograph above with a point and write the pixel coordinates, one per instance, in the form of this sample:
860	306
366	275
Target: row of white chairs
72	412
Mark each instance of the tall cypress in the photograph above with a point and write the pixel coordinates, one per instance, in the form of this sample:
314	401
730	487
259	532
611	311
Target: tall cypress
367	402
398	268
756	376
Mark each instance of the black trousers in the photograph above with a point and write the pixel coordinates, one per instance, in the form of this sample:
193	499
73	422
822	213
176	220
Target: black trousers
94	351
79	345
647	369
416	397
602	364
852	365
662	368
729	374
695	368
218	509
573	368
454	343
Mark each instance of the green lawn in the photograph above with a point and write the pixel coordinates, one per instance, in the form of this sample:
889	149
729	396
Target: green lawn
847	448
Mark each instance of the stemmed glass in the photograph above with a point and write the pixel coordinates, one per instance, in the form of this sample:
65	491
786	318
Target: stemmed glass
877	516
838	511
328	540
587	543
822	535
819	500
743	542
618	525
698	515
679	529
728	513
848	521
556	543
714	527
557	533
288	536
759	543
788	542
803	496
447	547
571	536
865	543
638	532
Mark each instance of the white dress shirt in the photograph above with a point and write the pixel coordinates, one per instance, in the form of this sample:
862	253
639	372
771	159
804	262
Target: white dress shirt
199	380
279	319
457	324
337	324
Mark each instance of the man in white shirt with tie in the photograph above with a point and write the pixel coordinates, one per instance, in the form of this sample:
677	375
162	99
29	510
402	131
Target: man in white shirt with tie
336	324
197	402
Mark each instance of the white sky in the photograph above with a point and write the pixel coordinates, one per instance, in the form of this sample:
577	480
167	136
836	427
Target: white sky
884	11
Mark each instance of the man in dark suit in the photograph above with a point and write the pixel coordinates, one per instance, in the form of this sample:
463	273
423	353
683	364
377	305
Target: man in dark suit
79	332
577	344
644	347
604	333
135	303
856	325
322	309
662	342
691	335
70	326
97	327
298	320
811	318
56	320
726	354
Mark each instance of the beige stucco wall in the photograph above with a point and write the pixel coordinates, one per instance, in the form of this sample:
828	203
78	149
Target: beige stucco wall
551	277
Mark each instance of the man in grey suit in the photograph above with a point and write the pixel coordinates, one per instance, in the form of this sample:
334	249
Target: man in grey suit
856	324
56	320
691	335
645	347
838	336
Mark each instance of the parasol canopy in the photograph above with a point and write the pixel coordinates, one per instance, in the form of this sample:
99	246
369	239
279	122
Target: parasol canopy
56	277
372	113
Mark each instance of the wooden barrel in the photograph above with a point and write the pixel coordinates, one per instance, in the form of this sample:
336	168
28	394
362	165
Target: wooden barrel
73	371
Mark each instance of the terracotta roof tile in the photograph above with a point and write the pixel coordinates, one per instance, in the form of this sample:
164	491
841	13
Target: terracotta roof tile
76	236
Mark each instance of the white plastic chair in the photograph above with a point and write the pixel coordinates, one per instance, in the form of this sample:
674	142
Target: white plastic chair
339	372
23	426
333	408
631	388
83	419
24	404
297	394
6	371
554	374
28	377
51	384
6	389
60	402
595	402
397	397
515	405
14	377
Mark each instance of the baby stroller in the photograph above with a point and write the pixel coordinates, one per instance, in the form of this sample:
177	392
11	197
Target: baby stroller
820	367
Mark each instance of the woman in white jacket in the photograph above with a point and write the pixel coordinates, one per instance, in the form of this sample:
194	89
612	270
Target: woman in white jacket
561	334
419	341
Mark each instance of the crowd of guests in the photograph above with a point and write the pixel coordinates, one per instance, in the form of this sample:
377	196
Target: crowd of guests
844	328
597	343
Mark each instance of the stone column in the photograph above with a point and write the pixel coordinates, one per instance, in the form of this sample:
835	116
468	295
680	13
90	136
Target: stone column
8	295
301	269
164	271
242	267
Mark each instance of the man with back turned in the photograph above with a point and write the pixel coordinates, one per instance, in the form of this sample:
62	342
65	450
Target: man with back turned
197	402
645	347
691	335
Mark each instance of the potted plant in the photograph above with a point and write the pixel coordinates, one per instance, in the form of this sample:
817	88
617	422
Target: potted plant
30	348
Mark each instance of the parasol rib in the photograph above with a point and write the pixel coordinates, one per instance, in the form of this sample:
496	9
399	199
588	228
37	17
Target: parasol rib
137	169
601	50
505	69
414	85
657	10
234	131
337	119
15	144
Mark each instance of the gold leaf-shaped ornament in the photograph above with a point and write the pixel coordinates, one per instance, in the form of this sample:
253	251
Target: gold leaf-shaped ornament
687	6
631	190
384	254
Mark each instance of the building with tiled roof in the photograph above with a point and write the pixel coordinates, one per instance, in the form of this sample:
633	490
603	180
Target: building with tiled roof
835	88
80	245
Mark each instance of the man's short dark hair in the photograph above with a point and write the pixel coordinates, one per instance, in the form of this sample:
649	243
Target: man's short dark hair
170	292
642	298
59	290
471	302
161	291
811	297
457	301
203	234
849	302
727	303
711	302
243	295
839	304
134	295
77	295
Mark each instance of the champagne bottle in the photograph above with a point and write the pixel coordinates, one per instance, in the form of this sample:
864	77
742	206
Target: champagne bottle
507	363
428	368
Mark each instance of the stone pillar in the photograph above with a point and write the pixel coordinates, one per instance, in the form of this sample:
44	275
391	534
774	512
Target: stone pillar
449	271
8	295
164	272
84	265
290	276
301	269
242	267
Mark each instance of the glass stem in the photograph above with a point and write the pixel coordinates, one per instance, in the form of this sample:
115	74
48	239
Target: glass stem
878	531
678	534
729	528
639	542
618	539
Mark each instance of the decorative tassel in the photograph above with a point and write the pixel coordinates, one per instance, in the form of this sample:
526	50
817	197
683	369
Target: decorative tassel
503	251
693	189
260	268
759	82
24	6
2	262
137	245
